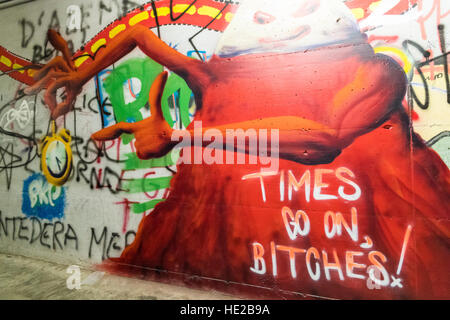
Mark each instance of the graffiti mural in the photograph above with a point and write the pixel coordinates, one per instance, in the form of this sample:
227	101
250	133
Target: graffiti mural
42	199
294	148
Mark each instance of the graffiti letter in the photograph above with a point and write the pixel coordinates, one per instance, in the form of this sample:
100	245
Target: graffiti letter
350	264
26	37
343	195
292	252
319	185
380	267
260	175
258	253
314	275
295	223
336	266
296	185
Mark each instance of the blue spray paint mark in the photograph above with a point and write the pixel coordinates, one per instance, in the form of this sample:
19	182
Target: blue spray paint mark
42	199
107	111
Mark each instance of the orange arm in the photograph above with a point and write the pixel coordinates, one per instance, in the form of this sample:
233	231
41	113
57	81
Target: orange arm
360	107
192	70
60	72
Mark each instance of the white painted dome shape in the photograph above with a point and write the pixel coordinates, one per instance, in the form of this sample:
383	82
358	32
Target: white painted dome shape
287	26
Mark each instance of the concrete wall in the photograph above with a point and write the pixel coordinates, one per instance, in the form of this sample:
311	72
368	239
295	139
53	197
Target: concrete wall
358	204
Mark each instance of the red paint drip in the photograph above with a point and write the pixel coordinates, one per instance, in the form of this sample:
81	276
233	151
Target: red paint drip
126	213
99	177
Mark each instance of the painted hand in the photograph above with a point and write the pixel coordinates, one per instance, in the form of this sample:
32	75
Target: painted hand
153	135
60	72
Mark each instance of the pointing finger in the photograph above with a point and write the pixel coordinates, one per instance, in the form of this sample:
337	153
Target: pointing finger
114	131
155	96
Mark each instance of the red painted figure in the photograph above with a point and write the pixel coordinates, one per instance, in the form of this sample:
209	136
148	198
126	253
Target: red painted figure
337	106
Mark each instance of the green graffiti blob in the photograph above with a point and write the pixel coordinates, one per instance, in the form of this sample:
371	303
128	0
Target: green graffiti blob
176	91
145	70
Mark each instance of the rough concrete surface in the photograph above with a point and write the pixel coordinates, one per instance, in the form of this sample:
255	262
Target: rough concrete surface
23	278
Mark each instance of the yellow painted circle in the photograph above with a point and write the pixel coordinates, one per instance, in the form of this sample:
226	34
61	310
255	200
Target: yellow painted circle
63	139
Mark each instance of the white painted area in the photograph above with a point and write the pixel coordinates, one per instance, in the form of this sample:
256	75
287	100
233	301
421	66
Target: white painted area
287	26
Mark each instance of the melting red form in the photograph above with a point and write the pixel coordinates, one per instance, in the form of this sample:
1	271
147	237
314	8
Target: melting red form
342	128
212	219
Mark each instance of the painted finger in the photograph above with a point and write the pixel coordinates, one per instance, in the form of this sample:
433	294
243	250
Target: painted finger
137	145
63	107
60	44
38	86
155	96
114	131
142	155
56	64
50	93
44	82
